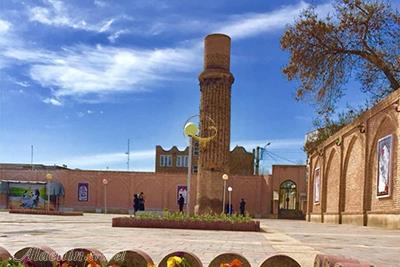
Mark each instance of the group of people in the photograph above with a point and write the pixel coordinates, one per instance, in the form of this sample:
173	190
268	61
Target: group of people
242	208
138	202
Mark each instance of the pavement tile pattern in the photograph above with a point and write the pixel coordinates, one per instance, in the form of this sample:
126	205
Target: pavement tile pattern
299	239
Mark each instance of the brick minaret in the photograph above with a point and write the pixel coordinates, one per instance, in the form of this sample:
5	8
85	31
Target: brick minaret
215	103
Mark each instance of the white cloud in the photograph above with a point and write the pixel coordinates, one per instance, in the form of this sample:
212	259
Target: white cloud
57	14
23	83
4	26
101	70
248	25
52	101
106	26
84	70
113	37
100	3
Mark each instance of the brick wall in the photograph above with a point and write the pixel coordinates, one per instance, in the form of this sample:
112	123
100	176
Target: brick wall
349	160
159	189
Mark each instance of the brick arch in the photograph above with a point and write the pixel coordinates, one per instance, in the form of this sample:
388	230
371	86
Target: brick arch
317	164
353	176
388	125
331	181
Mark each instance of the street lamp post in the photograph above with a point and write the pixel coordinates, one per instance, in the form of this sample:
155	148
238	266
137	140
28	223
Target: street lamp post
230	199
189	130
225	177
105	183
49	177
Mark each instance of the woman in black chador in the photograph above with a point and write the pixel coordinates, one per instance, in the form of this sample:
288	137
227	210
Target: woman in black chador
135	203
141	201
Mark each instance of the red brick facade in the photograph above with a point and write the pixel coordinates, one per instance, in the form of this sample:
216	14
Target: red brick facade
348	163
160	189
240	161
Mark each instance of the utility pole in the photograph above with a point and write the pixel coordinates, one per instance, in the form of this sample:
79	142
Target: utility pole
257	160
258	155
32	157
128	153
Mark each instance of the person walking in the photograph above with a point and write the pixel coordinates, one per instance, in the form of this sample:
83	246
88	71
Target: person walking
135	203
242	207
141	201
181	202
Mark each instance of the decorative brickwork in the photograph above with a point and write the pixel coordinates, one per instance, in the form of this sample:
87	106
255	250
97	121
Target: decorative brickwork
348	163
215	104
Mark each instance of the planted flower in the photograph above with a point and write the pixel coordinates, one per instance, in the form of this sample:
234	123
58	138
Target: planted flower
234	263
12	263
176	261
90	261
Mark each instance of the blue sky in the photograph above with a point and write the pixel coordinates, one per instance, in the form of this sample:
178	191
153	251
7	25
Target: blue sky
78	78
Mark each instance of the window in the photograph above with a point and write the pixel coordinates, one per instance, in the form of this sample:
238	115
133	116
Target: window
165	160
179	161
196	149
194	168
182	161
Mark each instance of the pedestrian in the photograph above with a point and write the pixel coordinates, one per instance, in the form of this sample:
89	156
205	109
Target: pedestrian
242	207
181	202
227	208
141	201
135	203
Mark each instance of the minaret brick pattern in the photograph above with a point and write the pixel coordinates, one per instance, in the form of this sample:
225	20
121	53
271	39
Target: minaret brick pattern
215	104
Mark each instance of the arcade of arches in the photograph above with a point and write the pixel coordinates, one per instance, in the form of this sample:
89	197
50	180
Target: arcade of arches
353	176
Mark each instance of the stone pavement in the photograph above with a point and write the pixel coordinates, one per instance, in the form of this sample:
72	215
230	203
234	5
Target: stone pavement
298	239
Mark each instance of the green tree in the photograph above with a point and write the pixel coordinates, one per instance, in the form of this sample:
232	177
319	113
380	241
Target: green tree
360	40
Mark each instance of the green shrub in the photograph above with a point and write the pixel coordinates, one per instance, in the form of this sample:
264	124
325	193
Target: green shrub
178	216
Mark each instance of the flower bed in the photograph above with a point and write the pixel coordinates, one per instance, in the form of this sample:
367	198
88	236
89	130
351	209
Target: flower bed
46	212
180	221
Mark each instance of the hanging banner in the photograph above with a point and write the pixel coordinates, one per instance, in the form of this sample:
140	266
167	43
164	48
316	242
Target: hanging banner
83	192
181	189
27	195
383	181
317	185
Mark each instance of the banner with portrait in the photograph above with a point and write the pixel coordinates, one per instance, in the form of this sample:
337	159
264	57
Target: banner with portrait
27	195
383	181
317	185
181	189
83	192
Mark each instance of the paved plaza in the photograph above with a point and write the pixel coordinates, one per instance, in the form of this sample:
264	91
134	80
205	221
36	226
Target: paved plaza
298	239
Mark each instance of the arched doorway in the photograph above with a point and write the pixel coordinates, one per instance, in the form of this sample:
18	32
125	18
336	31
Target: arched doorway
288	195
288	201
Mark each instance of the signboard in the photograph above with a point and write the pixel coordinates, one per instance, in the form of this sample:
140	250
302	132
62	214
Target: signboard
83	192
27	195
276	195
317	185
181	189
383	181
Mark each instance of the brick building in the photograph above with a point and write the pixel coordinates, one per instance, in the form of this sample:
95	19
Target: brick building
261	193
354	175
174	160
